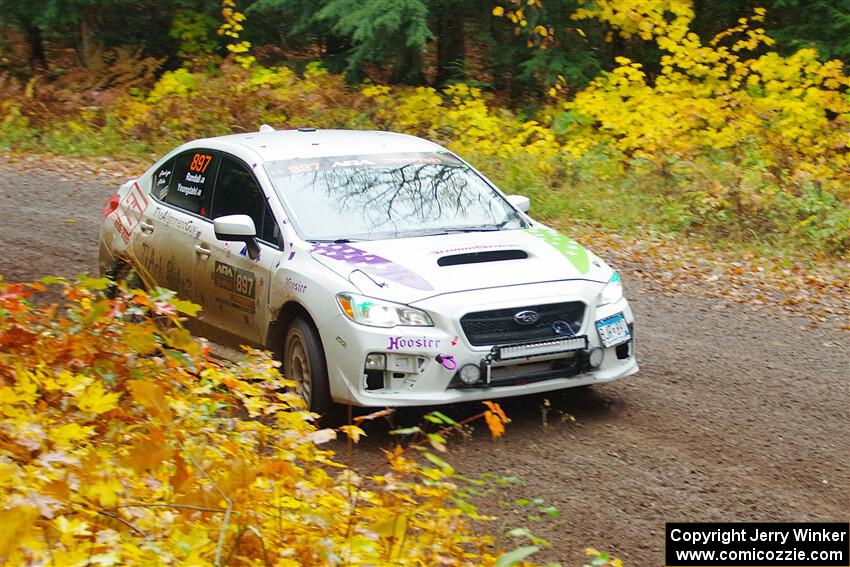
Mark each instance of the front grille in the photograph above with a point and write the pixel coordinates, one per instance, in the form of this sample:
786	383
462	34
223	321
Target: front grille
499	327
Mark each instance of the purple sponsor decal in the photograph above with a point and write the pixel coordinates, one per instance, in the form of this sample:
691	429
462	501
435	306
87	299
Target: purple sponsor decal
371	264
398	343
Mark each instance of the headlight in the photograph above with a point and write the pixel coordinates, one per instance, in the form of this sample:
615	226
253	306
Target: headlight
613	291
377	313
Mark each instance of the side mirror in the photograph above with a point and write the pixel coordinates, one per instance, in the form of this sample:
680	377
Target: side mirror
521	202
238	228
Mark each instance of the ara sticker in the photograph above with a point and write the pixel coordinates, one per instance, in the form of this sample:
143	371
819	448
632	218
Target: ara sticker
238	285
571	249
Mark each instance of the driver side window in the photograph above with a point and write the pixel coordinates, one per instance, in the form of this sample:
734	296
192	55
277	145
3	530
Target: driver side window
238	193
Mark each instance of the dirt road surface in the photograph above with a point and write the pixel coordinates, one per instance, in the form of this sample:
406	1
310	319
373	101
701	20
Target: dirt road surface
738	413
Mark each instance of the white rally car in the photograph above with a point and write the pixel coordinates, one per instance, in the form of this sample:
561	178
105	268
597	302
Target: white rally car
382	269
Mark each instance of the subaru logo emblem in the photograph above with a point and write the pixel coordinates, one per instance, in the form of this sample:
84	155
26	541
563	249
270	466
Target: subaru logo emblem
527	317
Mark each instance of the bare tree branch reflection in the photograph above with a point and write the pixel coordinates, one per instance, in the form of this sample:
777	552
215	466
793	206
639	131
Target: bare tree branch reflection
367	196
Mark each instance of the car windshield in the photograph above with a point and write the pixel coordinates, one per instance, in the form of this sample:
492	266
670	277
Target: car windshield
372	197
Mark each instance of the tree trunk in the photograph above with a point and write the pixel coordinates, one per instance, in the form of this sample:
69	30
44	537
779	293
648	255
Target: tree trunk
450	48
38	60
88	27
408	67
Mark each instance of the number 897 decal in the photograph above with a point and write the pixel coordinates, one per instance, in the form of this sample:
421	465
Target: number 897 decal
240	285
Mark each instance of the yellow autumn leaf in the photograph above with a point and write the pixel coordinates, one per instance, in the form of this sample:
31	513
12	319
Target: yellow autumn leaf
148	453
151	396
354	433
14	523
69	529
69	434
394	527
97	400
105	492
140	338
187	307
498	11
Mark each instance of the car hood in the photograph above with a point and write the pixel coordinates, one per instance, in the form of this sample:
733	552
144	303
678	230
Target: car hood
412	269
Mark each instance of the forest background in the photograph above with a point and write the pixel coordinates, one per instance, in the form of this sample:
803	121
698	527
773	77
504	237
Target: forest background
726	121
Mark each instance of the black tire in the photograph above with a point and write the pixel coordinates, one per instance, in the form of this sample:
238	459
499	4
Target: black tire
304	362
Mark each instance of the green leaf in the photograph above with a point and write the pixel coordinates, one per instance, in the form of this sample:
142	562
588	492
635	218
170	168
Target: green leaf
515	556
181	358
95	284
465	507
50	280
525	532
406	430
446	419
187	307
522	501
551	511
446	468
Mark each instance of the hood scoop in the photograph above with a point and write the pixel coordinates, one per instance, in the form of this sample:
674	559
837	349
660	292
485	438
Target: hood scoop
481	257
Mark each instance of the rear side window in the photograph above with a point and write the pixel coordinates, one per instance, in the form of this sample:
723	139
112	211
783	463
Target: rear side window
191	181
238	193
161	179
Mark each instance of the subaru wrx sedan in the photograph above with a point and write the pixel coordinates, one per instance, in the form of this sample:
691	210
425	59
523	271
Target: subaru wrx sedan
381	268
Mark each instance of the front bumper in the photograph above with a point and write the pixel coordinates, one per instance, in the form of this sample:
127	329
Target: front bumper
422	363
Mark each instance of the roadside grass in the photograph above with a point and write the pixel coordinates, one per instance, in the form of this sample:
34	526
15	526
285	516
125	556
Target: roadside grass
637	204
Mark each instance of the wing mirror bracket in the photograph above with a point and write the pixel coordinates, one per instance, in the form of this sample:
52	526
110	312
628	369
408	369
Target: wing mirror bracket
238	228
520	202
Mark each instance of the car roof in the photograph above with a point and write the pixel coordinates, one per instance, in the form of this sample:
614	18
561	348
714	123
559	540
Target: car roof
274	145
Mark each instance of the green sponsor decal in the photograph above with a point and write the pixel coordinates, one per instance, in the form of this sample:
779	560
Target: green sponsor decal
565	245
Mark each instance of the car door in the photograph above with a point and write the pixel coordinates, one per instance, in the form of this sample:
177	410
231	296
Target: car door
236	287
167	244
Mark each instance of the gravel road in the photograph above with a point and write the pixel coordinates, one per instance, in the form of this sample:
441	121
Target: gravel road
738	413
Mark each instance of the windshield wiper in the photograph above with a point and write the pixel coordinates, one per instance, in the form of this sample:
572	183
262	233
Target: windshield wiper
453	230
334	240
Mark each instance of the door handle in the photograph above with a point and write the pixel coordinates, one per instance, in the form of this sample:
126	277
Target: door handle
146	227
202	250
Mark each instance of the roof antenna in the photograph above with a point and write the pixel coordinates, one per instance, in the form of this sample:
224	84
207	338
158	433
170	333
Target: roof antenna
266	128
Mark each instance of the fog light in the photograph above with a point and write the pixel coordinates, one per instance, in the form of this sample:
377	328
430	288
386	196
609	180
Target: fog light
470	374
594	357
376	361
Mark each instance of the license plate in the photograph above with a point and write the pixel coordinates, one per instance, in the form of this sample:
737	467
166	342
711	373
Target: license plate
613	330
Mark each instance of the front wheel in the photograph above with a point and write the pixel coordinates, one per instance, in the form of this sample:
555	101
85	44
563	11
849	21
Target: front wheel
304	363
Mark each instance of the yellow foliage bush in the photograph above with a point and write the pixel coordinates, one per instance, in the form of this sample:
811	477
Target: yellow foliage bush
123	443
784	119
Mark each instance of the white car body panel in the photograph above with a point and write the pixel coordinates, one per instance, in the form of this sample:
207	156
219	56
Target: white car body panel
178	249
